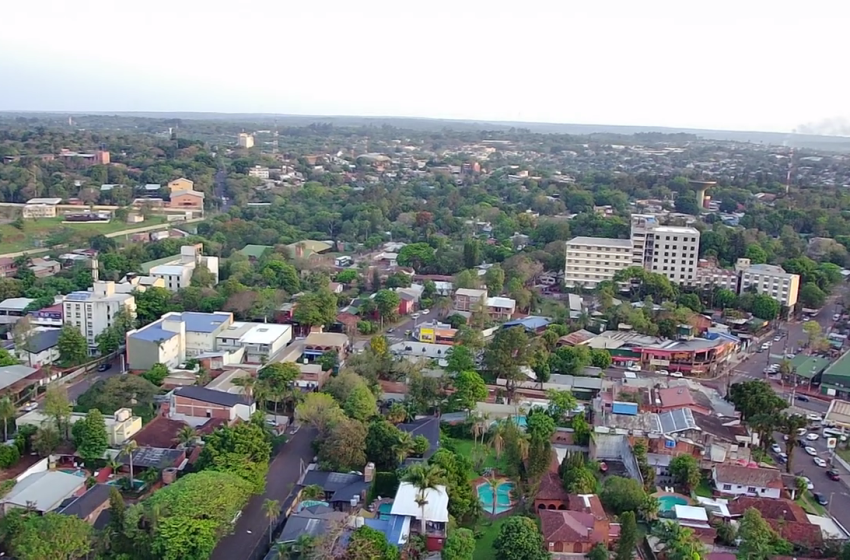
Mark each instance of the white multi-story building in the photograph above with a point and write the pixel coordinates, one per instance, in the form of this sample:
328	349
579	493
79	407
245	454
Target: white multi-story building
591	260
259	172
674	253
709	277
245	140
94	311
177	274
770	280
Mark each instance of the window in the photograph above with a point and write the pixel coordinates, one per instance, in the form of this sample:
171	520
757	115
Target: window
727	486
751	489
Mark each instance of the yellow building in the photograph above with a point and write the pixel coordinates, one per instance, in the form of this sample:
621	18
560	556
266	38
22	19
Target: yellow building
180	185
120	426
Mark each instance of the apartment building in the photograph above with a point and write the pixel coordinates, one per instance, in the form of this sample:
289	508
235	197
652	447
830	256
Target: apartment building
591	260
468	299
245	140
259	171
674	253
770	280
93	311
710	276
177	274
40	208
643	239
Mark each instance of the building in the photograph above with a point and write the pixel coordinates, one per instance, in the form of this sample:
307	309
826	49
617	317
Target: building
675	253
174	338
260	341
93	311
43	491
259	171
709	277
245	140
312	377
317	343
40	208
835	380
469	300
17	379
744	481
47	317
177	273
40	348
770	280
591	260
406	504
195	405
12	309
179	185
120	426
187	200
500	308
92	507
578	529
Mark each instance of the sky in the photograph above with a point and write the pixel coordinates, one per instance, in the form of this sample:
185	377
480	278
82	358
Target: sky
743	65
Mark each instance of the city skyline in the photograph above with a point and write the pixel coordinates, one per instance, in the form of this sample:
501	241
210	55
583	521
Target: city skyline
757	67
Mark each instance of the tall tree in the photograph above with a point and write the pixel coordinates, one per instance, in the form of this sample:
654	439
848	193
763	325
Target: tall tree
72	346
52	536
243	449
57	407
685	470
90	437
469	389
789	424
758	541
519	539
271	509
424	478
627	544
506	355
7	411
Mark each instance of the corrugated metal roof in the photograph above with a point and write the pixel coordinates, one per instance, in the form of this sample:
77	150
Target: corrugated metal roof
625	408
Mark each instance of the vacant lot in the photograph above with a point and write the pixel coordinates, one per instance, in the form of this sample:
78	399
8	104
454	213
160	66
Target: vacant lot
49	232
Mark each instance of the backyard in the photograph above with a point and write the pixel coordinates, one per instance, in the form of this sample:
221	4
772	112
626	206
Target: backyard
479	452
49	232
484	547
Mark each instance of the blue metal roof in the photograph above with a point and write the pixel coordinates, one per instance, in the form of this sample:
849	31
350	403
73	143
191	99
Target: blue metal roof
393	528
203	322
530	322
624	408
153	333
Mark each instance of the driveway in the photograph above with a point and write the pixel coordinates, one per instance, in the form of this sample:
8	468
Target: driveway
284	473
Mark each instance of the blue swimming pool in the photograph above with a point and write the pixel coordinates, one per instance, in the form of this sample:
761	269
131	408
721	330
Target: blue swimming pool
503	497
668	502
521	421
384	510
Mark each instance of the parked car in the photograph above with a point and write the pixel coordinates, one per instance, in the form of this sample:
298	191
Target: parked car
833	474
812	437
802	398
789	356
633	368
820	498
104	366
676	374
812	417
801	432
662	372
820	462
426	311
775	448
777	338
809	485
810	450
30	406
783	458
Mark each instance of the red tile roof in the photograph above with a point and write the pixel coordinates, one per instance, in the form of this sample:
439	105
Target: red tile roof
769	508
587	503
160	432
807	535
568	526
551	488
675	397
746	476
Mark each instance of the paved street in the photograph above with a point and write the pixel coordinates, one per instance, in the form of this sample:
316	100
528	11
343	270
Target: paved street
409	324
283	474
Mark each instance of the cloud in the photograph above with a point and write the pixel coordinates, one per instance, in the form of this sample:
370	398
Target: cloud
834	126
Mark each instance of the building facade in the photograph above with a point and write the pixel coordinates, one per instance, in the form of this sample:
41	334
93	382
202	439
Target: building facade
674	255
245	140
177	274
769	280
94	311
591	260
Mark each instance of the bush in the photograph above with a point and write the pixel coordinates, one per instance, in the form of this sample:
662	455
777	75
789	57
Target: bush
384	485
9	455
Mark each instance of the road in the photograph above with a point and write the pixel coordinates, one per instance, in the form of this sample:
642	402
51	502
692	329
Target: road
220	190
284	472
84	383
409	324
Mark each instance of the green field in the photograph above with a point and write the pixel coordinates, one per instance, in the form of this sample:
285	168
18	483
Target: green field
47	232
484	546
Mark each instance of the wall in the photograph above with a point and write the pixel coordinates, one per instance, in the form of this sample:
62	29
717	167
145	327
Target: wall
142	354
40	466
198	409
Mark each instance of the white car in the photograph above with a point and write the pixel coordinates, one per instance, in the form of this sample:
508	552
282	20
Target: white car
426	311
836	317
812	437
820	462
809	485
812	417
29	407
810	450
662	372
775	448
676	374
801	432
415	315
777	338
633	368
789	356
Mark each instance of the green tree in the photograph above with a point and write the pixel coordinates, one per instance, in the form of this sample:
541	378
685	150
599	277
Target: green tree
756	254
765	307
628	536
271	509
185	520
381	439
460	545
506	355
9	455
470	389
58	409
361	403
622	494
367	543
678	542
758	541
320	411
7	412
561	404
107	341
685	470
316	308
598	552
72	346
416	255
811	296
600	358
494	280
425	478
725	299
90	437
243	450
755	397
519	539
6	359
344	448
387	302
52	536
46	440
812	330
156	374
121	391
458	359
789	424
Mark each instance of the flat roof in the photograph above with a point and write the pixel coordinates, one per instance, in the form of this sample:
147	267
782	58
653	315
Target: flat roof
203	322
16	303
601	242
168	269
501	302
676	229
436	506
153	333
255	333
326	339
9	375
470	292
49	201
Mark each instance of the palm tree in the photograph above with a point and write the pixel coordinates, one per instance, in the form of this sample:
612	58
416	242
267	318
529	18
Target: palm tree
271	509
403	447
7	410
297	550
313	492
789	424
494	487
128	449
679	542
186	435
497	438
424	478
763	424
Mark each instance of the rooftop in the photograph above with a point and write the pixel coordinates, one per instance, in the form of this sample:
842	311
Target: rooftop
676	229
42	340
202	322
254	251
9	375
501	302
45	490
675	396
470	292
255	333
15	304
153	333
341	486
770	508
50	201
808	366
838	413
601	242
326	339
156	458
86	504
745	476
210	396
436	508
159	432
617	339
839	368
169	269
568	526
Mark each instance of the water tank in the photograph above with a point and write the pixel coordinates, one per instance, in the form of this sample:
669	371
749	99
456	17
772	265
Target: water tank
354	501
169	475
359	522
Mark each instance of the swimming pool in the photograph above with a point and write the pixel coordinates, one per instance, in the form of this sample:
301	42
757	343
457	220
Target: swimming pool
521	421
503	497
668	502
78	472
384	510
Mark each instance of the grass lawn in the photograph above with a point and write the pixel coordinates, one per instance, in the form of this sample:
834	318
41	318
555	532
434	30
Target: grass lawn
843	452
465	447
37	232
703	489
484	547
808	503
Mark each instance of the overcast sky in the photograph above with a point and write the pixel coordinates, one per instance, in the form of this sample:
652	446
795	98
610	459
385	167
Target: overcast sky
749	64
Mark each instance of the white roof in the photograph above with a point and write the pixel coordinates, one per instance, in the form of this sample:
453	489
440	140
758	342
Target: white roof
436	510
501	302
601	242
16	303
258	333
45	489
168	270
51	201
470	292
9	375
676	229
691	513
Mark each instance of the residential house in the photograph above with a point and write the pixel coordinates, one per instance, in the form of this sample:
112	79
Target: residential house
17	379
40	208
532	324
429	428
178	271
180	185
578	529
92	507
195	405
313	521
255	252
40	348
469	300
500	308
160	432
174	338
12	309
260	341
744	481
43	491
121	426
188	200
785	517
312	377
308	247
343	491
317	343
436	513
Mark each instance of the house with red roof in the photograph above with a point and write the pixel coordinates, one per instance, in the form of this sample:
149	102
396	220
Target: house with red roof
578	529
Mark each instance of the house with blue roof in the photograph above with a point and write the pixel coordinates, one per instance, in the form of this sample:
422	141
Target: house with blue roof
174	338
532	323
